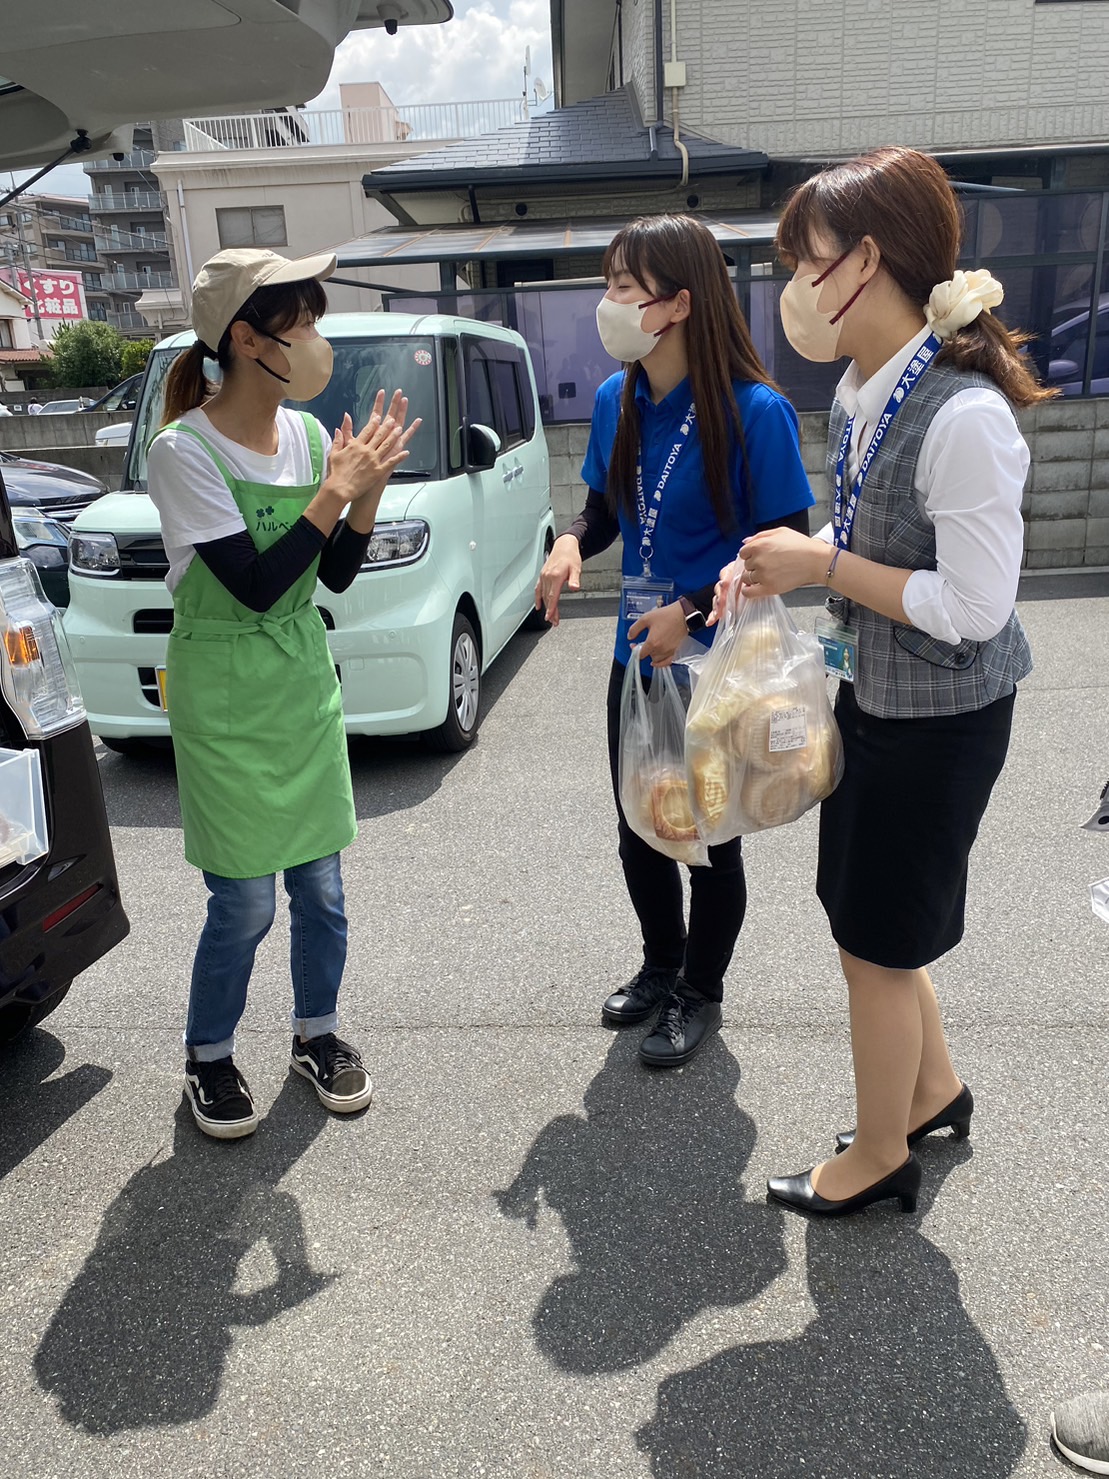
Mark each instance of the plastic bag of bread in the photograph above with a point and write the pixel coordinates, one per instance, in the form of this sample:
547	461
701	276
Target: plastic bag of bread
651	773
762	745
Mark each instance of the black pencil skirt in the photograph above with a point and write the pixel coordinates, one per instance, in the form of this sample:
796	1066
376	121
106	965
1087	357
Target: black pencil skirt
896	834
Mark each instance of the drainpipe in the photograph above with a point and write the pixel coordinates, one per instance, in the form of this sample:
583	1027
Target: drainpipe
185	236
682	150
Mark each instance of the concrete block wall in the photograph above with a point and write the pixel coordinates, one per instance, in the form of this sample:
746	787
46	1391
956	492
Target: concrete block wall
1066	502
67	440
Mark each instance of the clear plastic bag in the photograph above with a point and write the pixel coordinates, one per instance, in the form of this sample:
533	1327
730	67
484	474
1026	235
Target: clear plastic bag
651	771
762	744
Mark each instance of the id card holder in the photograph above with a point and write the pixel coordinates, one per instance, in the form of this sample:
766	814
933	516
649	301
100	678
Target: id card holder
841	648
641	593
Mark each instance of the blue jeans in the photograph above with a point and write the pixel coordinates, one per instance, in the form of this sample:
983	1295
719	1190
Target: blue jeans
240	913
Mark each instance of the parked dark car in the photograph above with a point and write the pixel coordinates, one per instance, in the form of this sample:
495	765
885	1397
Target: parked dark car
45	543
45	498
121	397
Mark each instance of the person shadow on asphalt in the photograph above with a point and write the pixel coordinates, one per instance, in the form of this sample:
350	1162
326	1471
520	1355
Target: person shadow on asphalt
659	1224
141	1337
891	1380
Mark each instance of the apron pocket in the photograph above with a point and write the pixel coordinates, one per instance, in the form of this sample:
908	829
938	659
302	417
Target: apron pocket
198	686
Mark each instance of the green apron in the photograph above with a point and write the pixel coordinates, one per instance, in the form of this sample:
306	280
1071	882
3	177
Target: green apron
255	708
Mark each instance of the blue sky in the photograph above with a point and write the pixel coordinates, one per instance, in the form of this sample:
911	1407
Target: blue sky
478	54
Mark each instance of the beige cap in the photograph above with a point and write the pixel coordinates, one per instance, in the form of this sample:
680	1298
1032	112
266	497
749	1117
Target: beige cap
228	279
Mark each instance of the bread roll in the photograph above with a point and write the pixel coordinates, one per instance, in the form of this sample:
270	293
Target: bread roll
715	719
758	649
670	812
772	797
711	775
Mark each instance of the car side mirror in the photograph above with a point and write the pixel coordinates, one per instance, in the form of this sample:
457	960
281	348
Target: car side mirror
1059	371
128	405
483	447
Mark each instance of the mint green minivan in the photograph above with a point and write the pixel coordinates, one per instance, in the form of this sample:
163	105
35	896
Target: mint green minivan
462	532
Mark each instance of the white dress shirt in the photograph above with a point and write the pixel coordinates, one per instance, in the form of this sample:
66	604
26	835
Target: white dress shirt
969	481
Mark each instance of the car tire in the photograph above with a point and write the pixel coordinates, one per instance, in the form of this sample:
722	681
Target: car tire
20	1016
459	728
535	621
135	748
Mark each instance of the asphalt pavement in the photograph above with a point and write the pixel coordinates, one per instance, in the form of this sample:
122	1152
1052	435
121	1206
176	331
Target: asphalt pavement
532	1257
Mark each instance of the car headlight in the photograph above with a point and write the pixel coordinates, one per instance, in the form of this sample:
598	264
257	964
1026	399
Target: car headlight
400	543
94	554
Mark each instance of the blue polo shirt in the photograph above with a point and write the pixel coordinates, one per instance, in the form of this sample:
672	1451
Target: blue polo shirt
689	547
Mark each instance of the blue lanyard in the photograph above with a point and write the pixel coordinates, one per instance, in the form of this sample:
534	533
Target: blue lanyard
843	520
648	517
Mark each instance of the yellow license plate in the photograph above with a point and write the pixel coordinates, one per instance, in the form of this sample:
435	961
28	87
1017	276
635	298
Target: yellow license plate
161	675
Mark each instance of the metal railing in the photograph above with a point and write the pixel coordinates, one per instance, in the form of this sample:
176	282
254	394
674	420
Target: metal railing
126	319
138	159
109	240
312	128
131	200
129	282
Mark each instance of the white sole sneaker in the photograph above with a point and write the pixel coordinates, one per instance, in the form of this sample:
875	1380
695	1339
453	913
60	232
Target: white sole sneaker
337	1103
219	1129
1080	1461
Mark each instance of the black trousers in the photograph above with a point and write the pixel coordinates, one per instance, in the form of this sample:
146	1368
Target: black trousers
718	894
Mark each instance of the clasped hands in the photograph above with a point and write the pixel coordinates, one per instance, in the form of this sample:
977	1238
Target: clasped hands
361	464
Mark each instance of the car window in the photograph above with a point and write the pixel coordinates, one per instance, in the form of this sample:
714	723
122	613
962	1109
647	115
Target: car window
453	404
508	394
479	390
365	366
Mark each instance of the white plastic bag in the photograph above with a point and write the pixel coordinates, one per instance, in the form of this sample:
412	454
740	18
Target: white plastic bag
651	771
762	744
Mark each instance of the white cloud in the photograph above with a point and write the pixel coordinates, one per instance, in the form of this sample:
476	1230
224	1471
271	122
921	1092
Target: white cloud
477	55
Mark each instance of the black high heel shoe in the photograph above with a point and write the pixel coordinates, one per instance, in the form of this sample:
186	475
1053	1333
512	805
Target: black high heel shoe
955	1117
797	1192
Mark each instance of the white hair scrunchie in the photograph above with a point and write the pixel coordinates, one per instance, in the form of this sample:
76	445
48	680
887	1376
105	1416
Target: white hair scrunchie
957	303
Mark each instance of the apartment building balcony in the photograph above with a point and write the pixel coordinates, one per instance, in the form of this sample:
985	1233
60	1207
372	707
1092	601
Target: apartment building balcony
131	200
301	128
136	282
126	319
110	241
137	160
65	225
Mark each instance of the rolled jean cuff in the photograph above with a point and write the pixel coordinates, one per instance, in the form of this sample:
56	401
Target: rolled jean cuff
309	1027
208	1052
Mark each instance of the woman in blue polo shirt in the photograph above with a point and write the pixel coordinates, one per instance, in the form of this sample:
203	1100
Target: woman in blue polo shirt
691	449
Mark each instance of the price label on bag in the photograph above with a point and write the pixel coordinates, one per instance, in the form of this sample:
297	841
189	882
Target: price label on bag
789	729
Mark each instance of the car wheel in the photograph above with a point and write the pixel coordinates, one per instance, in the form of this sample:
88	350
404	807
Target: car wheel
134	747
535	621
20	1016
458	729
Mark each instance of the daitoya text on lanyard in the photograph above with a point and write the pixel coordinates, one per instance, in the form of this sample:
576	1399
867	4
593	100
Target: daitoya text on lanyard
648	517
843	517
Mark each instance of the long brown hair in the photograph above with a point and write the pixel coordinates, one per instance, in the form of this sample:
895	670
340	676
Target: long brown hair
676	252
903	200
272	309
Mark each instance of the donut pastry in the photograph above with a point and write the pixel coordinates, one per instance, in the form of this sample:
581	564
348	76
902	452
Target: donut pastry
670	814
772	797
751	731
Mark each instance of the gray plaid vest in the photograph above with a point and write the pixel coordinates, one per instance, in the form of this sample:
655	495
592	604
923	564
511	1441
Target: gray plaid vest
902	673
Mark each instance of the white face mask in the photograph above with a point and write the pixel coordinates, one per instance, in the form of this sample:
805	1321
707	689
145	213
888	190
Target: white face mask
310	365
814	335
620	326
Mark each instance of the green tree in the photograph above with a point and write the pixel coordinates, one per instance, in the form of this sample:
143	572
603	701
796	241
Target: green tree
135	354
87	353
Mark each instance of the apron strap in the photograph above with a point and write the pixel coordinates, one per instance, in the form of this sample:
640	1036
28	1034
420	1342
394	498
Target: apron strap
211	628
224	471
315	445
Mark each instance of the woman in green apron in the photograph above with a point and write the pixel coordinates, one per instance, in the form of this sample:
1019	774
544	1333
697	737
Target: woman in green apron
251	497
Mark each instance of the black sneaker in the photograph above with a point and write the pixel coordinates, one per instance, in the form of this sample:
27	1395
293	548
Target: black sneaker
336	1070
685	1024
219	1099
642	996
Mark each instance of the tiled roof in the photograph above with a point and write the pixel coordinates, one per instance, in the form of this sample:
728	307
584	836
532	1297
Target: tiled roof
23	356
602	138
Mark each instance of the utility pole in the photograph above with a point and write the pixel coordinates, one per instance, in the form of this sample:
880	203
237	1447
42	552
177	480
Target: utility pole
27	267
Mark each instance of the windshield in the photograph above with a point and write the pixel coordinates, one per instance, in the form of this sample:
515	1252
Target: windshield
362	368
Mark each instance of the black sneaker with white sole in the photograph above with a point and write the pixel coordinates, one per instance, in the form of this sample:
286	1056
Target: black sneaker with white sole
220	1099
336	1070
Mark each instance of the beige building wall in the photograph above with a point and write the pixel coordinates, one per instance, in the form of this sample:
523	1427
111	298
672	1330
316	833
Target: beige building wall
319	189
833	77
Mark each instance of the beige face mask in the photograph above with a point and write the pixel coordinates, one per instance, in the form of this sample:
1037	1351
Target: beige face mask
310	365
814	335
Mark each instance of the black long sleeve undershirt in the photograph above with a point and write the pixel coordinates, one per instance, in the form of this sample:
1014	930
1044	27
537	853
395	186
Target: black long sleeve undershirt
259	578
595	528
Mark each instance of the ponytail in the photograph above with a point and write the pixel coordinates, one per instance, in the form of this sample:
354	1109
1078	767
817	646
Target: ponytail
988	348
186	387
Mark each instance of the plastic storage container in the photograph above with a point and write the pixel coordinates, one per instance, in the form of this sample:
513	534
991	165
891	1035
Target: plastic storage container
23	836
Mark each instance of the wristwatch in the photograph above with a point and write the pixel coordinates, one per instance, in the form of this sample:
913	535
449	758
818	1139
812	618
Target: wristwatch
694	619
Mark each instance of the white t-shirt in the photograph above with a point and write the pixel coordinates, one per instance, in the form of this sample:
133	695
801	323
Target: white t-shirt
187	488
